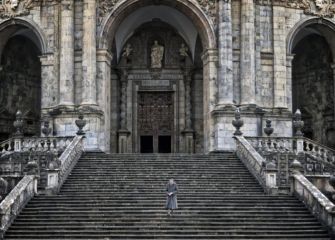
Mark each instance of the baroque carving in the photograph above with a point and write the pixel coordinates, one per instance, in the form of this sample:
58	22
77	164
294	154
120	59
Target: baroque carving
105	6
209	7
13	8
320	8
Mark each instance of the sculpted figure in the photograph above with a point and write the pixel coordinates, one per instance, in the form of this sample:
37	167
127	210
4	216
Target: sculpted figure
320	4
183	50
127	51
157	52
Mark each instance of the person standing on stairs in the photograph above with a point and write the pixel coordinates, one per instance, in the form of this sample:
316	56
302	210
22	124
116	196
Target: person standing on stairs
171	196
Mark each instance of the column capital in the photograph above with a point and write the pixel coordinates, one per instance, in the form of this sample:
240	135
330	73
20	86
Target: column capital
103	55
210	55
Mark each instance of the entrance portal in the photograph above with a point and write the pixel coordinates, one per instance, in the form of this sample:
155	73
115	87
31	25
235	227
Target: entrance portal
155	121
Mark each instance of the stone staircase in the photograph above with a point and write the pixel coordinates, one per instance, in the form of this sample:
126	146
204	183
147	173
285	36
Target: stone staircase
123	197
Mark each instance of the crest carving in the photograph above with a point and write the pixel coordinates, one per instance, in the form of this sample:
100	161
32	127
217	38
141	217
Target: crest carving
209	7
13	8
320	8
105	6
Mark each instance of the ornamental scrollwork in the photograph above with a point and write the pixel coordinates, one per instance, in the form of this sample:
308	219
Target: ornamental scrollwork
320	8
105	6
209	7
14	8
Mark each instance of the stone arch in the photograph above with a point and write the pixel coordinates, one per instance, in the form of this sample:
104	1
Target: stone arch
38	37
325	27
311	45
20	49
188	8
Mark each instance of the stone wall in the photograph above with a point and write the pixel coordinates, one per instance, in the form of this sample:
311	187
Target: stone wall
247	59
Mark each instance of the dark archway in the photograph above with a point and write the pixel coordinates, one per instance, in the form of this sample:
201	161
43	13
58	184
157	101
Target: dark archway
20	79
313	82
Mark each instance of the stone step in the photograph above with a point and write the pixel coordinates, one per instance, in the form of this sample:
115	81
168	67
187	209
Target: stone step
122	197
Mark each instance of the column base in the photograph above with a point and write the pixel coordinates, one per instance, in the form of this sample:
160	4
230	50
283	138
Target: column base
189	140
122	140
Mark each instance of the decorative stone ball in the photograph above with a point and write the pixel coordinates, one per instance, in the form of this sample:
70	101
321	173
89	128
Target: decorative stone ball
271	166
296	165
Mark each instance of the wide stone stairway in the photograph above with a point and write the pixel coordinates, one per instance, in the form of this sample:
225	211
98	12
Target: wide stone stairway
123	197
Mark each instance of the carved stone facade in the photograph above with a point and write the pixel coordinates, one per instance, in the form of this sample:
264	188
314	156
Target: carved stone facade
59	56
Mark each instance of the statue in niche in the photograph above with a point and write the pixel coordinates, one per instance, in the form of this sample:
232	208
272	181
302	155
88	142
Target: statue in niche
157	52
183	50
127	51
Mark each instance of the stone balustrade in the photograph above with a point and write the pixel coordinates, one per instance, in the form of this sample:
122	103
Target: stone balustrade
309	152
40	144
68	159
14	202
265	174
281	144
317	203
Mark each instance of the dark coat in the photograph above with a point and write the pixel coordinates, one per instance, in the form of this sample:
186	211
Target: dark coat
171	201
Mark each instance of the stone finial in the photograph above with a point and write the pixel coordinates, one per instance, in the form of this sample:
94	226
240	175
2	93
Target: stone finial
298	124
81	123
238	122
46	130
32	168
18	124
268	130
296	166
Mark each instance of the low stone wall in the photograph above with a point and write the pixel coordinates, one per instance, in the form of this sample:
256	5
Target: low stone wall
15	201
317	203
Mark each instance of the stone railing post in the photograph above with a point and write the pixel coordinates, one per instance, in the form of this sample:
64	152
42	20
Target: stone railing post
298	124
271	178
18	135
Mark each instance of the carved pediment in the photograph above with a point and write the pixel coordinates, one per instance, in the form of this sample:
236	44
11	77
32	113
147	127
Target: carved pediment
13	8
320	8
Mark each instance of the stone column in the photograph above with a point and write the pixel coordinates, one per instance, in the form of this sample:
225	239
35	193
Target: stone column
225	42
123	131
49	94
247	61
89	96
289	100
188	132
66	80
279	57
210	62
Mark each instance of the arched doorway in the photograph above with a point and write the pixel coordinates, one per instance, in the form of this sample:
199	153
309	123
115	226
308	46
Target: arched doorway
159	107
313	81
20	79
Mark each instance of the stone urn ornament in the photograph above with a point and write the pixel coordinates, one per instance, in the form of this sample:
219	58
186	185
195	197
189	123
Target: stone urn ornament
81	123
298	124
268	130
18	124
238	122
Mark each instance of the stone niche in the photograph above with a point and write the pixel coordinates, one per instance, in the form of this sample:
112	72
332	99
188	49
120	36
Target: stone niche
20	89
159	106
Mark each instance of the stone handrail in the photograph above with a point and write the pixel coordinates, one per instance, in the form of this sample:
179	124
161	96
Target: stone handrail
317	203
14	202
251	158
68	159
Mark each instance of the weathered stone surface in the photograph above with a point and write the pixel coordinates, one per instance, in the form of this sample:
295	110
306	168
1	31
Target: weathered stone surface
240	52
